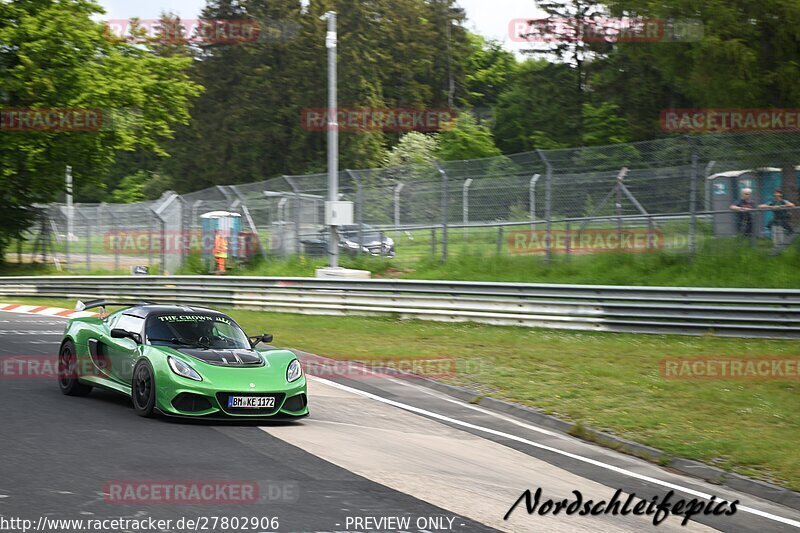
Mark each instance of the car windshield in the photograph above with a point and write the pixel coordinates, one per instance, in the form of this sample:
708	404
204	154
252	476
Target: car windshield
198	330
349	231
368	233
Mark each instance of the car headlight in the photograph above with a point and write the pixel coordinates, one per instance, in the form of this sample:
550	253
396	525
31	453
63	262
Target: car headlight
294	371
183	370
351	244
389	242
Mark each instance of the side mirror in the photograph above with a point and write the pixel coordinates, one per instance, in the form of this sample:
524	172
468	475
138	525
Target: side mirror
266	338
118	333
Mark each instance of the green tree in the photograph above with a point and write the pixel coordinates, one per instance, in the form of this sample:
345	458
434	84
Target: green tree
55	56
748	57
603	124
540	108
131	189
413	149
247	125
489	71
570	21
466	139
630	78
143	185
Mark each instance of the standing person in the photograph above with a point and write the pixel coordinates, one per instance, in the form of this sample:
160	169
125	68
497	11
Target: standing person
220	251
780	213
744	219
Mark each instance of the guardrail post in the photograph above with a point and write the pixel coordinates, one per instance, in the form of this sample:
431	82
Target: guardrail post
618	204
445	207
116	245
88	242
242	201
693	201
397	190
162	223
465	207
707	186
758	222
359	205
115	236
499	240
433	242
70	217
296	217
548	204
532	199
150	242
195	218
568	237
184	239
161	244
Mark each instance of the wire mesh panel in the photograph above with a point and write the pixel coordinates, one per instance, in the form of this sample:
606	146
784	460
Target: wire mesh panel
673	194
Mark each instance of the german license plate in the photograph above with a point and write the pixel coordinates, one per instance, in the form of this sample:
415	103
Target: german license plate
251	402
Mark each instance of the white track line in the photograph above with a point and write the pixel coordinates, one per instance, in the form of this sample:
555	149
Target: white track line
437	416
442	396
577	457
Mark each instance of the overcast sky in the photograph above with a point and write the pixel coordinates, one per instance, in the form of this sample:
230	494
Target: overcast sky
486	17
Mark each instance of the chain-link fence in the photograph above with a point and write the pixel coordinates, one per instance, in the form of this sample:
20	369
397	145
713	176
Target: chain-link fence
669	195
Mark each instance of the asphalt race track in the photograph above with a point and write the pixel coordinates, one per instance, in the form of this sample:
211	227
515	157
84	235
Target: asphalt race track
375	451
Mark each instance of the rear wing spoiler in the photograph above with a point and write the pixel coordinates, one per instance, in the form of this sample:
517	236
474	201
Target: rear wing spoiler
94	304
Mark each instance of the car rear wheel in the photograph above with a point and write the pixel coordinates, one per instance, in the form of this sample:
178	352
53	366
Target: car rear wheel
68	372
143	390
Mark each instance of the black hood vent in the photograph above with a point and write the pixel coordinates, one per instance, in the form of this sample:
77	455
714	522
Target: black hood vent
212	356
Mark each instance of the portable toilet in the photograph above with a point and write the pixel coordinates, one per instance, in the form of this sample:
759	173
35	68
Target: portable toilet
726	189
771	180
230	224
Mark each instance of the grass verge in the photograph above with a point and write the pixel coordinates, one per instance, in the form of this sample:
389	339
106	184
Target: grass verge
720	264
607	381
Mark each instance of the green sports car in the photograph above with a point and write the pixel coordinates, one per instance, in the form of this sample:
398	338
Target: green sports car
180	361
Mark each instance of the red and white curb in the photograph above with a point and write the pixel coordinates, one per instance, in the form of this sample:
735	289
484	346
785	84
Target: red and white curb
44	310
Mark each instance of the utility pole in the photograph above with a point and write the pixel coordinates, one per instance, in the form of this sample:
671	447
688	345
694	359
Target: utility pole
333	134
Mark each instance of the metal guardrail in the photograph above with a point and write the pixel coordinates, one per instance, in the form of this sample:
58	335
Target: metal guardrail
759	313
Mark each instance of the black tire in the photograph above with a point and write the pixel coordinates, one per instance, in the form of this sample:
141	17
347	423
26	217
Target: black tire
143	389
68	372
